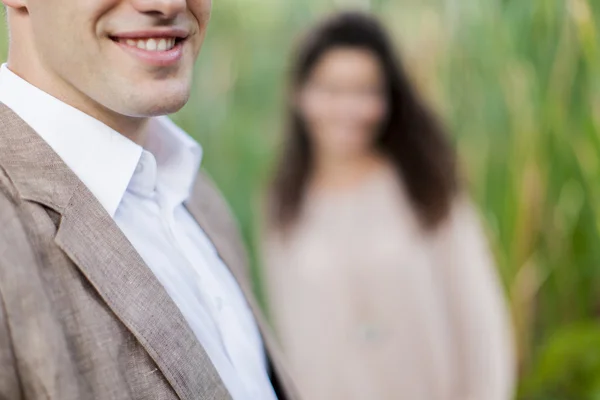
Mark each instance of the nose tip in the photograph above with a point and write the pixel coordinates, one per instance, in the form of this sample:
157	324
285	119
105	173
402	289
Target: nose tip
166	8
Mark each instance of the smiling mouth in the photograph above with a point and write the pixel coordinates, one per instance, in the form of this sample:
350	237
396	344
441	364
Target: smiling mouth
157	44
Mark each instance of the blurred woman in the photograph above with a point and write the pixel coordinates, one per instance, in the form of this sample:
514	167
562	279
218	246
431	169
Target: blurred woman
380	282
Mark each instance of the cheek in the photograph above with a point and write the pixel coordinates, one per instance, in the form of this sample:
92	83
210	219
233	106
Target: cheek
201	10
72	27
374	113
314	108
63	48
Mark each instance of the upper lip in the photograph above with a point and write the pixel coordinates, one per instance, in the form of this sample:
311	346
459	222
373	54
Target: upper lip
178	33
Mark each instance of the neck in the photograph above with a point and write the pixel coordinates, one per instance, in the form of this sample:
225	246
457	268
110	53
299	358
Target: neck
340	173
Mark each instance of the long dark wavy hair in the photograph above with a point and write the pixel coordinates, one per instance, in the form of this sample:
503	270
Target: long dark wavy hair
411	138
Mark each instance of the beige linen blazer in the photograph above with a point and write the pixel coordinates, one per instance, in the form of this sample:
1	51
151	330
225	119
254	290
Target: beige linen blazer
81	315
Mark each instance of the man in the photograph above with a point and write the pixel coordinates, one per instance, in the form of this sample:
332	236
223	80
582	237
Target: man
122	275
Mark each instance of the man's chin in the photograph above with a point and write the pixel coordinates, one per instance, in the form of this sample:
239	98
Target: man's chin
157	106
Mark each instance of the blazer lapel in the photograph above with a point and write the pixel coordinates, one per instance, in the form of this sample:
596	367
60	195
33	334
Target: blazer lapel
91	239
104	255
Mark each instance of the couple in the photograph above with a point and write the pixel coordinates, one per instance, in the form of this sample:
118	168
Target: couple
122	274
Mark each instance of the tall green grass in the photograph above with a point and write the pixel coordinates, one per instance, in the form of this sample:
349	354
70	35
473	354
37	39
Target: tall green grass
522	93
518	83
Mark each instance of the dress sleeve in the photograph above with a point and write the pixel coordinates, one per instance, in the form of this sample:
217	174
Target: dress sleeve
479	319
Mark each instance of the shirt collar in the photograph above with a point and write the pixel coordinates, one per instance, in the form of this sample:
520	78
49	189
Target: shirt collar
177	158
104	160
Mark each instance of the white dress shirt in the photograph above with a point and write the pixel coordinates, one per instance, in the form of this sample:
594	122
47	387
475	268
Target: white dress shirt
144	189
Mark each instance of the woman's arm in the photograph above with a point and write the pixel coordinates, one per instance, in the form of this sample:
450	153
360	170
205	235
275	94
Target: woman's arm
480	322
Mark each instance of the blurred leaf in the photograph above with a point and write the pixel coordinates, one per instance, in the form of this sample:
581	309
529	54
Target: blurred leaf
568	365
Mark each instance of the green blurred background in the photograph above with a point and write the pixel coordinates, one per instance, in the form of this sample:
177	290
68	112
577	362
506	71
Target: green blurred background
518	83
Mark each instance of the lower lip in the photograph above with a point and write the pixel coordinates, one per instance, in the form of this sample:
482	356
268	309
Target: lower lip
155	58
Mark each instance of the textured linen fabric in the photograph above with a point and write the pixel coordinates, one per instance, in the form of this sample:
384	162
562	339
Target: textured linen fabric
369	306
143	189
81	315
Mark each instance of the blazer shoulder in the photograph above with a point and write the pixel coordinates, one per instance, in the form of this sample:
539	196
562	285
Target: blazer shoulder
205	182
206	192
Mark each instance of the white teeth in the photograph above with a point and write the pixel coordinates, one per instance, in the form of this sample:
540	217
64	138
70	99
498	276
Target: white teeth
152	44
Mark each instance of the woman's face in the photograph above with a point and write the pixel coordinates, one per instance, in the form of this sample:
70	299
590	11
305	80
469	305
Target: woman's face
343	103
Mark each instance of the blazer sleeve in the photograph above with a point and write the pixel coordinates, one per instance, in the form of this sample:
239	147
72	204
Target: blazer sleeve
479	319
9	384
10	388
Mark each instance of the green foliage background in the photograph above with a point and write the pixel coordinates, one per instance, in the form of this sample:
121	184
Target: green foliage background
518	82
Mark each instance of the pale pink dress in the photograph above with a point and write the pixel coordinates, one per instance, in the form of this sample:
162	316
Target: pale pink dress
368	306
